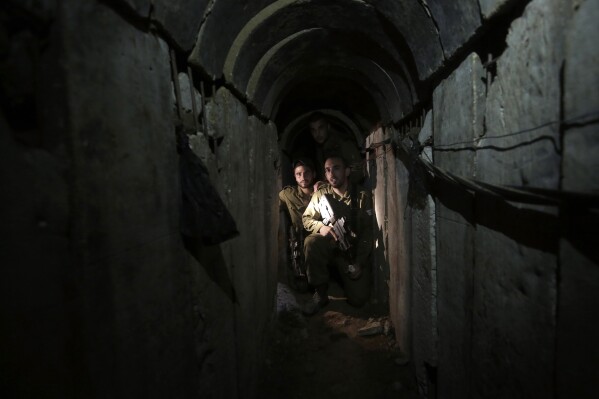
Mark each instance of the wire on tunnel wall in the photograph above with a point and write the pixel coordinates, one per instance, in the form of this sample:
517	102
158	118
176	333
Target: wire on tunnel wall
579	120
409	148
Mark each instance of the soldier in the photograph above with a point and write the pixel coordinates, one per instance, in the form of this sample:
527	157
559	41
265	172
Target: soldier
321	247
294	199
330	141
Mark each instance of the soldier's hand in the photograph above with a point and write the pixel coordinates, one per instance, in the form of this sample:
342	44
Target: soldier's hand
328	230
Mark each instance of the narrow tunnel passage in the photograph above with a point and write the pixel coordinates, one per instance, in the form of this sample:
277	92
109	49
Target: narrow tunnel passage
131	130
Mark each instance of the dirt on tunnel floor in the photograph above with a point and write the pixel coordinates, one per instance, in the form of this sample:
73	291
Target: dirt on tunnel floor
327	356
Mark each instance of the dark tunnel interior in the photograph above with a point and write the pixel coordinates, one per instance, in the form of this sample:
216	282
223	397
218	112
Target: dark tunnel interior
144	146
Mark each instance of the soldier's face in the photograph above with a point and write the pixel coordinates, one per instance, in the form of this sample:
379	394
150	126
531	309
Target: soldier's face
303	176
336	173
319	130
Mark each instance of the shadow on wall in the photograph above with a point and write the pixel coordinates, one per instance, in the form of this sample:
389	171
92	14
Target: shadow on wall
213	262
533	228
205	220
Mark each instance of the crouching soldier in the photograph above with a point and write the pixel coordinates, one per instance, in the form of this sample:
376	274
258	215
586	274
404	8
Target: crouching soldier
339	218
294	199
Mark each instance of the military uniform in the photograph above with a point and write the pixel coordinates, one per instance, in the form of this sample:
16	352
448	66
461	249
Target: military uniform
295	201
336	143
321	251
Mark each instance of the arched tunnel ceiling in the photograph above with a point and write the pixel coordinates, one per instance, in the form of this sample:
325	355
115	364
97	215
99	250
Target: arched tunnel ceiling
262	48
344	90
267	88
313	44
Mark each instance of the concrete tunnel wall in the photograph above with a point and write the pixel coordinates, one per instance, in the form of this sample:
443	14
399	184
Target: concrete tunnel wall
101	297
486	295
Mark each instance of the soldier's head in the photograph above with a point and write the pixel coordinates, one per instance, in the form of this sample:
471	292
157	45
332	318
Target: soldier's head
337	171
303	170
319	127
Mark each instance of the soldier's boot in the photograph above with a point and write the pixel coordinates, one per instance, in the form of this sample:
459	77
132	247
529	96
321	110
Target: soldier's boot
319	300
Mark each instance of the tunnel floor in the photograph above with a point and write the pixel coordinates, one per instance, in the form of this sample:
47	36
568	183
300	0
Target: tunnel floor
327	355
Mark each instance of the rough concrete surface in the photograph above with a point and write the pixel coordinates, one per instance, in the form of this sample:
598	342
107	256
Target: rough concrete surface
458	110
577	324
34	283
187	103
387	176
452	34
490	8
424	289
422	36
133	278
381	178
525	95
581	100
515	295
180	19
247	157
213	42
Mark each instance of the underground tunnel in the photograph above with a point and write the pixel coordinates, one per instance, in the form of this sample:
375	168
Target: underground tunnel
144	144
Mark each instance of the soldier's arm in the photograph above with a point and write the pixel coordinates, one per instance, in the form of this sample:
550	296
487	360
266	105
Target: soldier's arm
365	234
282	202
284	207
311	218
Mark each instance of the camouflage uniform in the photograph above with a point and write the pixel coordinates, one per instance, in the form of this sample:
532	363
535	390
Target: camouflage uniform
295	201
321	251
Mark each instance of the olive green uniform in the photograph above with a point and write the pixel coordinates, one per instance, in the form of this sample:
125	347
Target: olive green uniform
321	251
295	201
336	143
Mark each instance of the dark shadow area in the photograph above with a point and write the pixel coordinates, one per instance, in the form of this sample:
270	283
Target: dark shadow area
580	227
529	227
455	198
533	228
213	262
325	92
205	221
573	221
342	351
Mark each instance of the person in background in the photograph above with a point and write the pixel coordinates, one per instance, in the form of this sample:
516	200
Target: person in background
331	141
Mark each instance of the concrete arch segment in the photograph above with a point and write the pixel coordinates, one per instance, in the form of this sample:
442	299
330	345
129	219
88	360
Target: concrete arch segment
223	20
445	13
304	47
412	21
231	27
361	70
286	18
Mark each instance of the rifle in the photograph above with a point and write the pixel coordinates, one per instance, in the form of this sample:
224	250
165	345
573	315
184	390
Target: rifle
332	215
296	246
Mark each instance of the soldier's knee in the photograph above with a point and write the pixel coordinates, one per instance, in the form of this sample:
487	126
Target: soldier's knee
310	239
314	241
